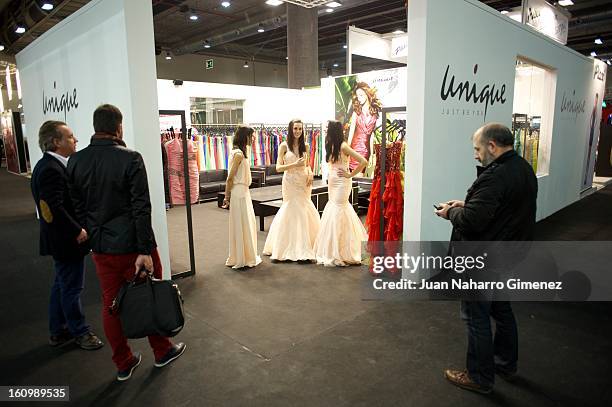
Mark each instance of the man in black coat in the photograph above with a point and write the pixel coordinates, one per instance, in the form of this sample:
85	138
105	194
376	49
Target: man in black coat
499	206
62	237
109	187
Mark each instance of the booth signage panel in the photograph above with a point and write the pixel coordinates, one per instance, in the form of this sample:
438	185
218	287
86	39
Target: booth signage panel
368	44
547	19
399	47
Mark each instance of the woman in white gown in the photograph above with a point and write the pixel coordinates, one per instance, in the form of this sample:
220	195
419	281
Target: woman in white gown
296	225
342	233
242	224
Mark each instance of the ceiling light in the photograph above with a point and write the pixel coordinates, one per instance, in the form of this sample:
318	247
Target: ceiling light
1	47
47	6
20	29
329	10
565	3
335	65
286	57
274	2
193	17
206	44
168	55
598	41
609	62
593	53
246	64
333	4
504	11
398	32
260	29
226	4
345	46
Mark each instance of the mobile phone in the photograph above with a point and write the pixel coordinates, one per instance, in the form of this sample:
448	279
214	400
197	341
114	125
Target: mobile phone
437	207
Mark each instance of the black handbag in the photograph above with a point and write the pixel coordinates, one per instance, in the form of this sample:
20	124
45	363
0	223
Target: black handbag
149	307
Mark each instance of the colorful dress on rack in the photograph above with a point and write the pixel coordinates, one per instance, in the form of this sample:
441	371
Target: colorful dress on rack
364	127
393	196
339	240
242	223
295	227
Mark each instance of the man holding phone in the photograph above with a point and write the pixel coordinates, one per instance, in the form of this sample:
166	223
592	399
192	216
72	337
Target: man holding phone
499	206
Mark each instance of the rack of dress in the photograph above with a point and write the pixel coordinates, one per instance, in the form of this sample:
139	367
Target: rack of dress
385	211
213	144
526	131
174	172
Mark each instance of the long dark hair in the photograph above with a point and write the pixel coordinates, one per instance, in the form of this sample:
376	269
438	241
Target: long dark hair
333	141
242	138
375	104
291	138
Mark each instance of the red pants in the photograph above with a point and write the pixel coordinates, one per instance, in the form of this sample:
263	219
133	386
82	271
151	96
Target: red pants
113	271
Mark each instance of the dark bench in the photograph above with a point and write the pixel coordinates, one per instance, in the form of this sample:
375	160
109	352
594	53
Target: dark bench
267	200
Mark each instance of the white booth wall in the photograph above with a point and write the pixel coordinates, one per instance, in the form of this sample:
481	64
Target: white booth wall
460	35
103	53
261	104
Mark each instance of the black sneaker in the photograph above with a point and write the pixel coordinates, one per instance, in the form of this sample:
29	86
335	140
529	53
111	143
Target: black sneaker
89	341
62	339
123	375
174	353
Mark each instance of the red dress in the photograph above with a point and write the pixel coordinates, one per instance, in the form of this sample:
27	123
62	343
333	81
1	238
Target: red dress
364	126
393	196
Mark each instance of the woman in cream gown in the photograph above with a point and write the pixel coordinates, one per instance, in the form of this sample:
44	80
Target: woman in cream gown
342	233
296	225
242	224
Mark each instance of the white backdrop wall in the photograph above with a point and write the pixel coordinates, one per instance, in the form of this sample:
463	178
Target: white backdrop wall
480	45
103	53
261	104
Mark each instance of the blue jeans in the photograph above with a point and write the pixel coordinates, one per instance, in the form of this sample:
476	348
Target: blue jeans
487	354
65	308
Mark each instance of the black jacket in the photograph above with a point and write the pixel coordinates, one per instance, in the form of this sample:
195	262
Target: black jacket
108	185
500	204
58	225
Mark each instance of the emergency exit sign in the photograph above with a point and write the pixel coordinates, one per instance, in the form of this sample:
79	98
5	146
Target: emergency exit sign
210	64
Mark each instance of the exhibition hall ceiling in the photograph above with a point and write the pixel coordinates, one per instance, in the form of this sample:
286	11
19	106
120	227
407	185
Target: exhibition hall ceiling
255	30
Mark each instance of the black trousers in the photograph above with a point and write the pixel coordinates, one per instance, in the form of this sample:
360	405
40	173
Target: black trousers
486	352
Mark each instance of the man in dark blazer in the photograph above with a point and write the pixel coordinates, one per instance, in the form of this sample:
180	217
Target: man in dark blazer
61	237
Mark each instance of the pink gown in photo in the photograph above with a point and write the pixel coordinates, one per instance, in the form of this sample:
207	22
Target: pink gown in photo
365	123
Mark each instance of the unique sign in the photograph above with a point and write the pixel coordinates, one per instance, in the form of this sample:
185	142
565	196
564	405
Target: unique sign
473	93
210	63
571	106
61	104
399	46
547	19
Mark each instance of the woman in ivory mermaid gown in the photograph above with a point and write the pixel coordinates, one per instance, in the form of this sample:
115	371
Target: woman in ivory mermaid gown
294	228
242	224
341	234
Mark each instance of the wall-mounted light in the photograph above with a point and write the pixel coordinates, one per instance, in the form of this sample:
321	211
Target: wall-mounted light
598	41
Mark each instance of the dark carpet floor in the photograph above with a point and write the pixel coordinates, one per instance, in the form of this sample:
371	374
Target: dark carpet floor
298	335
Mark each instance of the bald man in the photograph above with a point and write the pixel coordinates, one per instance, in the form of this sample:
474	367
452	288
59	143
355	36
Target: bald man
499	206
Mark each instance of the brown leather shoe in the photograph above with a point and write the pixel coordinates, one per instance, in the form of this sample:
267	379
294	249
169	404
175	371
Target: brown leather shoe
462	379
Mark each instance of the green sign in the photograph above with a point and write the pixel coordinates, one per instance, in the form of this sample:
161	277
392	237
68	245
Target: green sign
209	64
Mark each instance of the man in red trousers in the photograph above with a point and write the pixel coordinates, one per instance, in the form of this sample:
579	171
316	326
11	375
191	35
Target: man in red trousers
108	184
